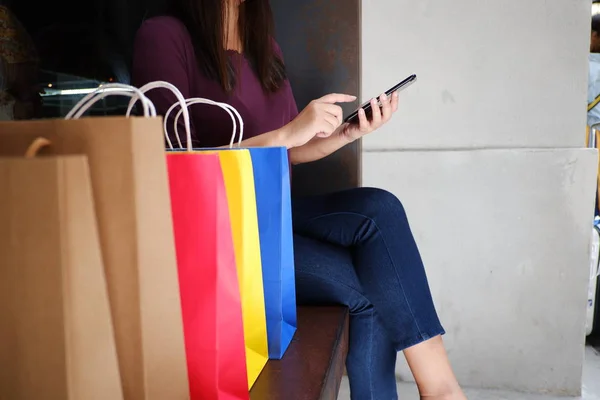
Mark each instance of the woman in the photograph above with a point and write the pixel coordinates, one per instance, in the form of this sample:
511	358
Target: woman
354	247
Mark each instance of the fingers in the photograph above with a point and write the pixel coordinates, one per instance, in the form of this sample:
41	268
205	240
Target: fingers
337	98
334	110
380	113
332	119
332	122
363	123
375	113
395	99
386	108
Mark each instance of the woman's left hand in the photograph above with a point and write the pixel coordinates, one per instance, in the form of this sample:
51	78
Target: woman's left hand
380	115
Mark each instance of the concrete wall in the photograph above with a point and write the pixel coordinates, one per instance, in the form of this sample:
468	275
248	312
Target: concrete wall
485	155
491	74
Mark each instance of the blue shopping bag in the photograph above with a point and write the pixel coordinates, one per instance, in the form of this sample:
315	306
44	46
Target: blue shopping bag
273	203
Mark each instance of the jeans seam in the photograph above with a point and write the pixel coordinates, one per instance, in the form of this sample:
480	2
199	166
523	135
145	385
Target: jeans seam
388	254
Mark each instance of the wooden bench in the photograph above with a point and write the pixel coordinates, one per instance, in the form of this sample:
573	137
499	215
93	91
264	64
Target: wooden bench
313	366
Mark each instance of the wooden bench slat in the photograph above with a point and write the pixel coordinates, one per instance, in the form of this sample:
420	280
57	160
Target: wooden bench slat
313	366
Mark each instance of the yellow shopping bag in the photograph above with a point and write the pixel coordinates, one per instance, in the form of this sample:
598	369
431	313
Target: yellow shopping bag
239	185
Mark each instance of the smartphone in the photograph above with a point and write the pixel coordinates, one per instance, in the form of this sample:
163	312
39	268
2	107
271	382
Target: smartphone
353	118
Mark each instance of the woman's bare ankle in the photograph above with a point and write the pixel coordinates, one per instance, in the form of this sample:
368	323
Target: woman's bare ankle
428	361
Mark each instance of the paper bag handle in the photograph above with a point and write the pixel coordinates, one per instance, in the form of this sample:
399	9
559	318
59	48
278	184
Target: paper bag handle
197	100
35	147
228	108
180	101
111	89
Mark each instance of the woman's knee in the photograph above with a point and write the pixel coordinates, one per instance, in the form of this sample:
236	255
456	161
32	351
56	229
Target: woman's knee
380	203
325	274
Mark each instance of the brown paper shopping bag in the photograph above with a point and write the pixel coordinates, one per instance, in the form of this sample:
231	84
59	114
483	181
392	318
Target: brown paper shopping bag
131	194
56	335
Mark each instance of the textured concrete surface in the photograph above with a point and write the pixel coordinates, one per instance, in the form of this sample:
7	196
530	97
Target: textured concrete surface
591	386
504	235
509	74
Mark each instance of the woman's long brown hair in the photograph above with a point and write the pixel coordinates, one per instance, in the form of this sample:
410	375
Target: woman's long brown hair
206	22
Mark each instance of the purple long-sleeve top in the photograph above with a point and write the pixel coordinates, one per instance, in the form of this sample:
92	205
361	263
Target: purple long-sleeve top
164	52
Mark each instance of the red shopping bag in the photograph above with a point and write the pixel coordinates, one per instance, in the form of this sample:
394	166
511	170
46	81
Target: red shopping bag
210	293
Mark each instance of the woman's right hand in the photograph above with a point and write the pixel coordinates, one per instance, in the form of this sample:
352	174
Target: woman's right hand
320	118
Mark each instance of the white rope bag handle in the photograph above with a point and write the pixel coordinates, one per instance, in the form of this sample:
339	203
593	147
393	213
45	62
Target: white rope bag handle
188	132
180	101
196	100
111	89
229	109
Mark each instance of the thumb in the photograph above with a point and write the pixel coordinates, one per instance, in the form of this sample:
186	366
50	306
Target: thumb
337	98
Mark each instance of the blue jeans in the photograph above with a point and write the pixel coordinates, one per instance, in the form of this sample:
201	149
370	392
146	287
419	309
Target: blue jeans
356	248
